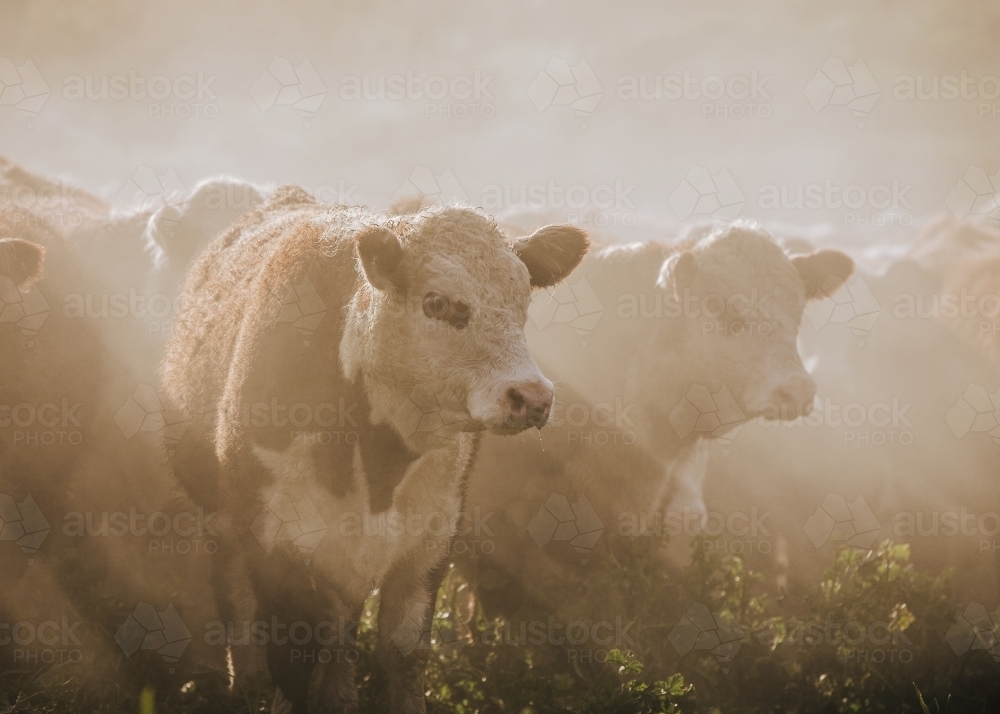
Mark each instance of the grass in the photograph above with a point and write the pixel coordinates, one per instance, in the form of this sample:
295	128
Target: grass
786	663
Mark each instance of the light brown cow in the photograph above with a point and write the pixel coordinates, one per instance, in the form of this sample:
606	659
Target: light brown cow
406	331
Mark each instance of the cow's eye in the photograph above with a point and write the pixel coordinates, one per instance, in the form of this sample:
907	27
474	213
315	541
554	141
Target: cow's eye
436	305
460	311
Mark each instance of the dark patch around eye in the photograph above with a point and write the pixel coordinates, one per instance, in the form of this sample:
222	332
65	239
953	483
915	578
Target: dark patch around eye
439	307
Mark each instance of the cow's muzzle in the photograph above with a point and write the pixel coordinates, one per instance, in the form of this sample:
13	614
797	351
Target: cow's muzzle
527	405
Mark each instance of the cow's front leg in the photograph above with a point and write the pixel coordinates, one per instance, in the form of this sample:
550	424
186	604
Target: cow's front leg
338	691
406	608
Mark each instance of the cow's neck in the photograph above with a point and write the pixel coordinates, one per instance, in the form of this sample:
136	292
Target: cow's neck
656	379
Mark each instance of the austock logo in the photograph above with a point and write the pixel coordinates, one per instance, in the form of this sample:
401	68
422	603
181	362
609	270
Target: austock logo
423	187
295	522
602	423
861	642
748	90
976	411
148	191
976	629
25	308
838	521
561	85
745	532
836	84
702	195
976	195
23	87
570	303
424	414
144	411
190	531
47	424
324	642
147	629
601	205
119	87
581	641
303	308
891	424
420	629
281	84
49	642
23	524
457	90
703	413
701	629
851	303
558	520
875	205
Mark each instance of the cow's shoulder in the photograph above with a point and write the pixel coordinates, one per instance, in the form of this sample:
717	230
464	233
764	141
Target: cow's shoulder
282	267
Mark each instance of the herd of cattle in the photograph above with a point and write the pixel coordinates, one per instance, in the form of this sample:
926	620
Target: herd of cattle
303	391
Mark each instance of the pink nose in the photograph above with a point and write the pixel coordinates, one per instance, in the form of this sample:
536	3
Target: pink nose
794	397
528	405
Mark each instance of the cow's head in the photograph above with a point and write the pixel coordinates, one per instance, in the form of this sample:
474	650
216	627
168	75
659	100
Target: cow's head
437	328
178	231
742	300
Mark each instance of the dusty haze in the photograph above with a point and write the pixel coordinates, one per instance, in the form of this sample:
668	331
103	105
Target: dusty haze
536	100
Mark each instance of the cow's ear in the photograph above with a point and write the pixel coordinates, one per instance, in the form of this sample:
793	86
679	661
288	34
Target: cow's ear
678	272
21	260
823	272
551	253
381	258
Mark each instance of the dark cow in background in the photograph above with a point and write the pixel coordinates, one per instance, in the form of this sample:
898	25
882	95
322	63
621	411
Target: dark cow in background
55	405
409	329
72	352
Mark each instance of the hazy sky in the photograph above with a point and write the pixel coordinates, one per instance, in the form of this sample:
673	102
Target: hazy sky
493	127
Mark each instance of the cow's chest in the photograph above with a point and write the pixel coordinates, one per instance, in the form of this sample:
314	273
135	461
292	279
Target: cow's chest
342	535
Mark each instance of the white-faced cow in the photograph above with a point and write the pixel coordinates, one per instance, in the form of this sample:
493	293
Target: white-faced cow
338	366
904	424
655	348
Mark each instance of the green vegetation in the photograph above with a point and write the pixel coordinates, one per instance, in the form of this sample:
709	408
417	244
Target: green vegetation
869	638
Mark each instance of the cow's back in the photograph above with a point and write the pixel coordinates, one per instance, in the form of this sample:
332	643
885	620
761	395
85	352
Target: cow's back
235	290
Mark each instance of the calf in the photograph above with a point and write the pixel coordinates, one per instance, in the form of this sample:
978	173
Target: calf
690	340
406	333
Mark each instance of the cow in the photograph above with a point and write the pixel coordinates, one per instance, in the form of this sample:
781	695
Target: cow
901	431
178	231
404	331
60	451
664	347
69	363
965	257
